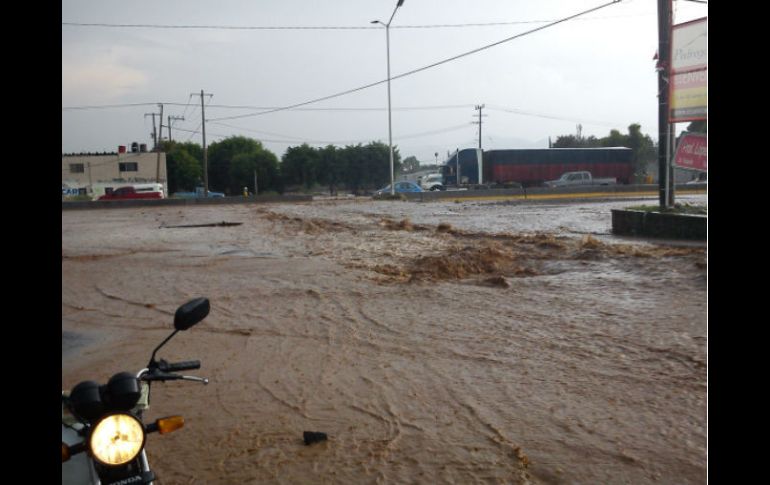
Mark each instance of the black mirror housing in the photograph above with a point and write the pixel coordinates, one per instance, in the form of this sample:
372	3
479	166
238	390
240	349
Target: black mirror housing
191	313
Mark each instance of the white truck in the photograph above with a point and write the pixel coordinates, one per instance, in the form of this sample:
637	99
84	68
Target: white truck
569	179
432	181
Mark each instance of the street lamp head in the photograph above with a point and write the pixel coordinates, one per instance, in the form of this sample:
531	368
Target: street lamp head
400	2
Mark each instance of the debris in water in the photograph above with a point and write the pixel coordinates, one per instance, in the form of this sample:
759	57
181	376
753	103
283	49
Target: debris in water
500	281
311	437
213	224
403	225
589	242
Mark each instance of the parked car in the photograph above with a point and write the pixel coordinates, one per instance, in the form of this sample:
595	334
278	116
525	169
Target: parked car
197	194
131	192
702	178
400	188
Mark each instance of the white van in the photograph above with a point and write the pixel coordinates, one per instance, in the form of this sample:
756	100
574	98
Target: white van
150	188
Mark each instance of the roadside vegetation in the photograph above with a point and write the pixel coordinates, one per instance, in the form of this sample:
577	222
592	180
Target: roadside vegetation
685	209
234	161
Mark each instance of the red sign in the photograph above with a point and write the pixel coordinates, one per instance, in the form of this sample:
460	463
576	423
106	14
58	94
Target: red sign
692	152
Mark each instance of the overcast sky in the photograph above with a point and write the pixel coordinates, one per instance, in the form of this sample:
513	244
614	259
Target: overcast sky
597	71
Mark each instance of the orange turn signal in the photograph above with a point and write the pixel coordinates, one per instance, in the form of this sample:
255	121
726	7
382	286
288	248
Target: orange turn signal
167	425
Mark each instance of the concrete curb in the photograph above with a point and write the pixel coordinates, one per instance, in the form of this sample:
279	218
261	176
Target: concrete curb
659	225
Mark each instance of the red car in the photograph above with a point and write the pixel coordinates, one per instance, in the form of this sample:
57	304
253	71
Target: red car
130	192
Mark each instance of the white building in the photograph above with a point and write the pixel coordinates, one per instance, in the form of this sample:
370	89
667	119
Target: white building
95	175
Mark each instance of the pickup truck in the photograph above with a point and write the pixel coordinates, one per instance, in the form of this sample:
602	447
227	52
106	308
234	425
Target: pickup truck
569	179
130	192
433	181
197	194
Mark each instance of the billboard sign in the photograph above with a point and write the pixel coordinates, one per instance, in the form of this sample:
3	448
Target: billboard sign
692	152
688	89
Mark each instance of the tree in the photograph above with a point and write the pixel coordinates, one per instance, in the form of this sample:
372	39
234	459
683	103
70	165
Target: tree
615	139
185	173
356	166
299	166
573	141
330	167
232	179
411	164
184	165
642	146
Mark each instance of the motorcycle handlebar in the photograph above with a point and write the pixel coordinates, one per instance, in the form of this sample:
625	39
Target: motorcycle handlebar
179	366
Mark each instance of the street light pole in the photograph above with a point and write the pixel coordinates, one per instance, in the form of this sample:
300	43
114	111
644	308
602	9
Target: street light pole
390	122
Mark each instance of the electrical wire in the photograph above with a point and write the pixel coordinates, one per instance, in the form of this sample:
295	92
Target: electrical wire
558	118
317	27
424	68
260	108
293	139
108	106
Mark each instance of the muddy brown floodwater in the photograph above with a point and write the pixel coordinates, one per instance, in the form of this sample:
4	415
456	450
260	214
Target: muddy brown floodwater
474	342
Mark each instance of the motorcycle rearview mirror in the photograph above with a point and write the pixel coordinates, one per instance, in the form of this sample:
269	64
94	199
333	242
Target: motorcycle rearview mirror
191	313
185	317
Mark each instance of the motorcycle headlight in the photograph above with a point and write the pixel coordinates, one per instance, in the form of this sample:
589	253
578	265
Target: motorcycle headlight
117	439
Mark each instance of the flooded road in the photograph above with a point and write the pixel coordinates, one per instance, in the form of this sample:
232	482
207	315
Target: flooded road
442	342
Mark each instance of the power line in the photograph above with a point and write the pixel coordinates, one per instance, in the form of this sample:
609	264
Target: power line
294	139
319	27
108	106
552	117
415	71
259	108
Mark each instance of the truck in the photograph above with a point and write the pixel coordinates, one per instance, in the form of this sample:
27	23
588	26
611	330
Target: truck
569	179
531	167
134	192
199	193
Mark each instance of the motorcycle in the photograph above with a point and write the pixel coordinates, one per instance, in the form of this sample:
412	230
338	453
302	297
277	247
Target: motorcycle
103	435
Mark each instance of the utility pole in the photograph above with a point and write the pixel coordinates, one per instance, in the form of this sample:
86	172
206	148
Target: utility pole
169	124
205	153
160	119
154	131
157	144
457	162
663	68
90	181
479	107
